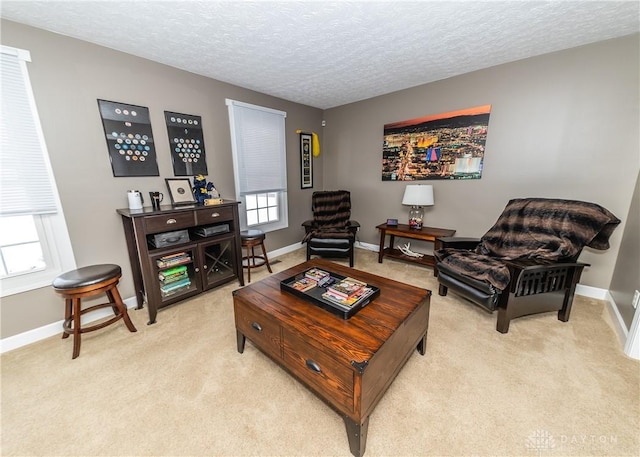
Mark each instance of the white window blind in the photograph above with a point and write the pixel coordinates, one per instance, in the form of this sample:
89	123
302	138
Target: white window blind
24	168
34	240
260	164
260	143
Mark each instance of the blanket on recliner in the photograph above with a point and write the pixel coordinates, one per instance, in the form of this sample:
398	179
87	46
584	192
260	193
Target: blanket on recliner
331	214
534	228
477	266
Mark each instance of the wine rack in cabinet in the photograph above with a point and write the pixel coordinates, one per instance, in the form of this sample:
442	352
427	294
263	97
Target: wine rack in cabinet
179	252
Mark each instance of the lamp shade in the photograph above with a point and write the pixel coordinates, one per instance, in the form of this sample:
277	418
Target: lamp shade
418	195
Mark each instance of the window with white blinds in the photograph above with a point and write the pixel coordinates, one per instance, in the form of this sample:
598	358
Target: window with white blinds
24	171
260	165
34	240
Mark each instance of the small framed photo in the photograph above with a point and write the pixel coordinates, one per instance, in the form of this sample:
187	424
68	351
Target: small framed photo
306	161
392	222
180	191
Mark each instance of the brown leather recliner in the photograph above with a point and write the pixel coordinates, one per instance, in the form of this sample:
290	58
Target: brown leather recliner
527	262
331	233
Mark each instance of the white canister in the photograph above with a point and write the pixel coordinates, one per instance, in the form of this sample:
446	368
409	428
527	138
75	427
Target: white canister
135	199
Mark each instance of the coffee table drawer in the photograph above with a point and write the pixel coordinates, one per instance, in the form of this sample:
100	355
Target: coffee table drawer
261	329
320	371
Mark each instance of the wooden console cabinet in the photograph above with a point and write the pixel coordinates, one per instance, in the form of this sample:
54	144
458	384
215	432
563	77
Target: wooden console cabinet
204	261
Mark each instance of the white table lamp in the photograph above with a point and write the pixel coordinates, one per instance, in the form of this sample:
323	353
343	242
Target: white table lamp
417	196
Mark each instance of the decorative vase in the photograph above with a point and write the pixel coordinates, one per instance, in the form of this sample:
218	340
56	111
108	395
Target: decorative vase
416	215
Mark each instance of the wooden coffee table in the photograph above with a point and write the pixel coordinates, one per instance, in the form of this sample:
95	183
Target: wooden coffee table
347	363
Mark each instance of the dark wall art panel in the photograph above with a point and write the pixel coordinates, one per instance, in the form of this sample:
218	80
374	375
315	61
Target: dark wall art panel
186	143
129	138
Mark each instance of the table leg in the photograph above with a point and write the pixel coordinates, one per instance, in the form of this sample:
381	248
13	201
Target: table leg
153	312
437	245
383	233
357	434
134	260
422	345
240	340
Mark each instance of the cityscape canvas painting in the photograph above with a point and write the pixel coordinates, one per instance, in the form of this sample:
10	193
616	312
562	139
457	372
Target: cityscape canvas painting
442	146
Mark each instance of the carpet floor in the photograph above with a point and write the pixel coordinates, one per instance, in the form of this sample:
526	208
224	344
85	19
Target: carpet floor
180	388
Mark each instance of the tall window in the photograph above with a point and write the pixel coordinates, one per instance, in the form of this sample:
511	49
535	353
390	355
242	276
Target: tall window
260	165
34	242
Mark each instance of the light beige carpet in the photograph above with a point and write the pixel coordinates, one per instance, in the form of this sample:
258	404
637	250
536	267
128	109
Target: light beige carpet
180	387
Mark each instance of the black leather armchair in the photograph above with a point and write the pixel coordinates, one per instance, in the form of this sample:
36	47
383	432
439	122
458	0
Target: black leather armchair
527	262
331	233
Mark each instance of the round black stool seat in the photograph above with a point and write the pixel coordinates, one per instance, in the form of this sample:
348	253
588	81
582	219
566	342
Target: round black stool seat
87	282
250	239
252	235
86	276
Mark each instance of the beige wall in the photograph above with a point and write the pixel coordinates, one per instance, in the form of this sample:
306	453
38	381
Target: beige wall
563	125
626	276
68	76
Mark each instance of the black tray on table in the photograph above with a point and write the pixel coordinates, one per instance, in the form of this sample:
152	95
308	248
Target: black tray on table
314	295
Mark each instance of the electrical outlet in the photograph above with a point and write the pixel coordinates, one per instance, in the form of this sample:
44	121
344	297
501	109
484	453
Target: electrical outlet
636	299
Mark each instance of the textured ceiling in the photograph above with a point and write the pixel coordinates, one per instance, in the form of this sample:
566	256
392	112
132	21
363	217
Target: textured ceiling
326	54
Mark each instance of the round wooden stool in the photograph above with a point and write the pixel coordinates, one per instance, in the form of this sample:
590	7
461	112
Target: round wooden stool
86	282
251	239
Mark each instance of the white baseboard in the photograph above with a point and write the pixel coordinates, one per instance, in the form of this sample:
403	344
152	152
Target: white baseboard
629	339
295	247
593	292
284	250
55	328
367	246
632	345
603	294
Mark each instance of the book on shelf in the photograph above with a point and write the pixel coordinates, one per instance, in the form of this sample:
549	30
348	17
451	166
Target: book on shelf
172	273
173	278
173	260
174	291
173	256
166	288
346	287
172	263
304	284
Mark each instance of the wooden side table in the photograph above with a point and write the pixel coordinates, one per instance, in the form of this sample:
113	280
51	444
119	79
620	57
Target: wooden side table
404	231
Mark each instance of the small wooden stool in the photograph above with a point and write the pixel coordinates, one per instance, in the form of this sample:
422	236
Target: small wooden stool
86	282
251	239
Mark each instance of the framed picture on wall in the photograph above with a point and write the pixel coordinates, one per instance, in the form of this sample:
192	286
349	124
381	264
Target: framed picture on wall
441	146
186	142
127	129
306	161
180	191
